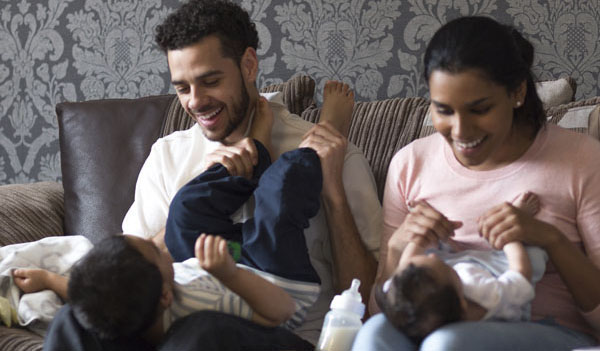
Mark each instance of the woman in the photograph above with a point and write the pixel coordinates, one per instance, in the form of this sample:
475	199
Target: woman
492	144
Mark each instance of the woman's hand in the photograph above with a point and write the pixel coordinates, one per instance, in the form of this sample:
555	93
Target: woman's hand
506	223
424	226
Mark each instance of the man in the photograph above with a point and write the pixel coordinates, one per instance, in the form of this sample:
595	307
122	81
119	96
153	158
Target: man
211	52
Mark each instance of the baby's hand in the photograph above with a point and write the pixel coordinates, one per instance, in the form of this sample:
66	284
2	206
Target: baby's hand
214	257
31	280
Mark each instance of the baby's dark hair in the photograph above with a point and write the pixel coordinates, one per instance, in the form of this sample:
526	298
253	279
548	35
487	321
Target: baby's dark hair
114	290
416	303
197	19
499	51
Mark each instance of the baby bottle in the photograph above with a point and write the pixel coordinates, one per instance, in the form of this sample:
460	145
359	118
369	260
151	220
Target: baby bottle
343	321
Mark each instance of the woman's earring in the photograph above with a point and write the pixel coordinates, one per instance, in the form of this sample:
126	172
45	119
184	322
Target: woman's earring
518	104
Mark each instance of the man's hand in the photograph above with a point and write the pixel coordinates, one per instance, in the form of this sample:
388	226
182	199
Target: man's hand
238	158
214	257
330	145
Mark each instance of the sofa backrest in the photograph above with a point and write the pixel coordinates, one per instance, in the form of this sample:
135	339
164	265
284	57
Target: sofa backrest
103	145
381	128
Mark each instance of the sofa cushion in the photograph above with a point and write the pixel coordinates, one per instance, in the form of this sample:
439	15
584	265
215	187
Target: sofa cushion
556	92
575	115
29	212
381	128
594	123
103	145
298	93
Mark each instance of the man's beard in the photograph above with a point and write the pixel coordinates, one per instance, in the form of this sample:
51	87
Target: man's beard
239	112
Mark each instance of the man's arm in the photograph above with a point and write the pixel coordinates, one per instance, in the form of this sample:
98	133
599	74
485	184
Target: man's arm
351	259
271	304
34	280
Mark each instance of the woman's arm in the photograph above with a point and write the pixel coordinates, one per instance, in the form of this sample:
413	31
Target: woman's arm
577	271
506	223
270	303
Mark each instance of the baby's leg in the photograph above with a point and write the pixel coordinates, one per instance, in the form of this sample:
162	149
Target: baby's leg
528	202
287	196
338	104
205	204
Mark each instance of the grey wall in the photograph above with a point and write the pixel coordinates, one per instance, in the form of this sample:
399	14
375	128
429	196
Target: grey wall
75	50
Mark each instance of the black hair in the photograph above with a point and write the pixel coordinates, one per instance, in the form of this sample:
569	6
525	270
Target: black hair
499	51
114	290
416	303
197	19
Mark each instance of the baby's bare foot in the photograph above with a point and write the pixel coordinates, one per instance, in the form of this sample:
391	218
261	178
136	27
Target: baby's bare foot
338	104
263	124
528	202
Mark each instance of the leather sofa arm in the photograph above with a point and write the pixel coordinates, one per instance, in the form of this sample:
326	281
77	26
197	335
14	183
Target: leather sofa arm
29	212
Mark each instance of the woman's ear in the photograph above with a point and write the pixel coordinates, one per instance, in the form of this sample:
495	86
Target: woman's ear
519	94
249	65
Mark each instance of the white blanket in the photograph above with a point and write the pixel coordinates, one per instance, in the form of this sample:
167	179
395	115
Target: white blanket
56	254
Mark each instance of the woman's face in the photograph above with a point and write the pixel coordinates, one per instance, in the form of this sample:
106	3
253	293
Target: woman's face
475	116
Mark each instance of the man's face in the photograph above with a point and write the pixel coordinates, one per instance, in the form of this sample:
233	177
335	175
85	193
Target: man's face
212	89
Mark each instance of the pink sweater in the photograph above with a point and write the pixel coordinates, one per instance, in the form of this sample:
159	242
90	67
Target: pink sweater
561	167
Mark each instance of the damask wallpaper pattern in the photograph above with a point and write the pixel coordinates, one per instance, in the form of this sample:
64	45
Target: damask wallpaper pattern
75	50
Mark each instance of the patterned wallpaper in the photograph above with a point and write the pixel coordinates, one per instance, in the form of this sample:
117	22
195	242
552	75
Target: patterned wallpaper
75	50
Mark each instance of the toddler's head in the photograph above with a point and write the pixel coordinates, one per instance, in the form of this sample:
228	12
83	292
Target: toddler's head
120	287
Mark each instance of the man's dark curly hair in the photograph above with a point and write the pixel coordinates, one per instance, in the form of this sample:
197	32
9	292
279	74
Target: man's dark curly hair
197	19
114	290
416	303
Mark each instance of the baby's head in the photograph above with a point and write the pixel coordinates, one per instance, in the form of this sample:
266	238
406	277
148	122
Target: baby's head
121	286
421	296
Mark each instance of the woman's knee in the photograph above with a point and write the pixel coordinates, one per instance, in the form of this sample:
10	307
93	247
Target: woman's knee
457	336
378	334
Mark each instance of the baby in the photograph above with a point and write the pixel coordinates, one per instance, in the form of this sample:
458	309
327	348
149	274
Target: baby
431	288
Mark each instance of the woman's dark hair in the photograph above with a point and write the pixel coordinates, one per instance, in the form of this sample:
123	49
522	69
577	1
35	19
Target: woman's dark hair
114	290
197	19
497	50
416	303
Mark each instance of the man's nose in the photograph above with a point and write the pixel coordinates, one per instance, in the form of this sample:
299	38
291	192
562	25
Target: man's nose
198	99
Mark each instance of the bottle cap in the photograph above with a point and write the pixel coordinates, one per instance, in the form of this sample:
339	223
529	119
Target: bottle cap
350	300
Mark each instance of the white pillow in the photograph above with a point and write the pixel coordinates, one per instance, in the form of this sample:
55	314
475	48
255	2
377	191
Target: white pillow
556	92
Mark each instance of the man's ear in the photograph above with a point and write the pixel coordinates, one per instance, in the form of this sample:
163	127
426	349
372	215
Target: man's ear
249	65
